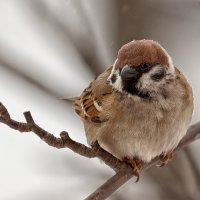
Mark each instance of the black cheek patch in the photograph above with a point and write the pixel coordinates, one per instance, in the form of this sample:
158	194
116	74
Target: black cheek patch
113	78
158	76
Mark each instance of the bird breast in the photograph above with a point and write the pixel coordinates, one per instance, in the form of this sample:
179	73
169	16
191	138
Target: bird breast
141	129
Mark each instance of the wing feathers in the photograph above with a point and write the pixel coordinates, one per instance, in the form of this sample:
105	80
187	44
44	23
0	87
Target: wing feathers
89	105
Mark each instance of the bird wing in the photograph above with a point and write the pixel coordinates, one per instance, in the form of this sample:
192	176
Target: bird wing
90	104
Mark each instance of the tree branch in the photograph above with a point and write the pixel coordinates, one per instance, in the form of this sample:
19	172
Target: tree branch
63	142
123	170
122	176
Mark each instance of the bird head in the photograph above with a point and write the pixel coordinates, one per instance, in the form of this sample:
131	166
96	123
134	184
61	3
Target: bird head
142	67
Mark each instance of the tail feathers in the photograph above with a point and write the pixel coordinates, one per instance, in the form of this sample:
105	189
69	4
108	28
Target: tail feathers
69	99
76	105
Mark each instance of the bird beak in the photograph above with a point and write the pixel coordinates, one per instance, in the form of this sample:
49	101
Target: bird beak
129	73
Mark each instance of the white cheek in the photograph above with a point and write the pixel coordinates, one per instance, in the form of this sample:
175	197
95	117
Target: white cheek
118	83
146	83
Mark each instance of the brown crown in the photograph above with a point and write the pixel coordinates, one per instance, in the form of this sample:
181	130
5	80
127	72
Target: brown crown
141	51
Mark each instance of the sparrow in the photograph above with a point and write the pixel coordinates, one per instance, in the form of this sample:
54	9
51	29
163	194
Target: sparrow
138	108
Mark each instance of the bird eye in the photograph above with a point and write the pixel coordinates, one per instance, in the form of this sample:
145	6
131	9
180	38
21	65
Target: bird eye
158	76
145	67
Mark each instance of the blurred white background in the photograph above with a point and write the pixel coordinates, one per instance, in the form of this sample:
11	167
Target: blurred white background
50	49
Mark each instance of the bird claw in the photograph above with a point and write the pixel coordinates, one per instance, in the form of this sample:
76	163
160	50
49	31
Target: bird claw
165	158
136	165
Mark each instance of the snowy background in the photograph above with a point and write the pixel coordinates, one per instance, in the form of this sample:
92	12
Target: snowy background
51	49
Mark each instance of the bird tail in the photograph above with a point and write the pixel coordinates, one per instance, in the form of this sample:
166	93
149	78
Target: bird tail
69	99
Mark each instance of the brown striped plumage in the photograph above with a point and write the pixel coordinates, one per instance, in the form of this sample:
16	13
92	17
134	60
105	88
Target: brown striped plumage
84	104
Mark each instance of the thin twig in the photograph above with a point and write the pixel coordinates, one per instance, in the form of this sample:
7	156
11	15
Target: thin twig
123	170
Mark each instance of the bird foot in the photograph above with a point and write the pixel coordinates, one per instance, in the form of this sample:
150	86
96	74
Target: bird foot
165	158
136	164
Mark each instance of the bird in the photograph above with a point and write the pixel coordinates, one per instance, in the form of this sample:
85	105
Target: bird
138	108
